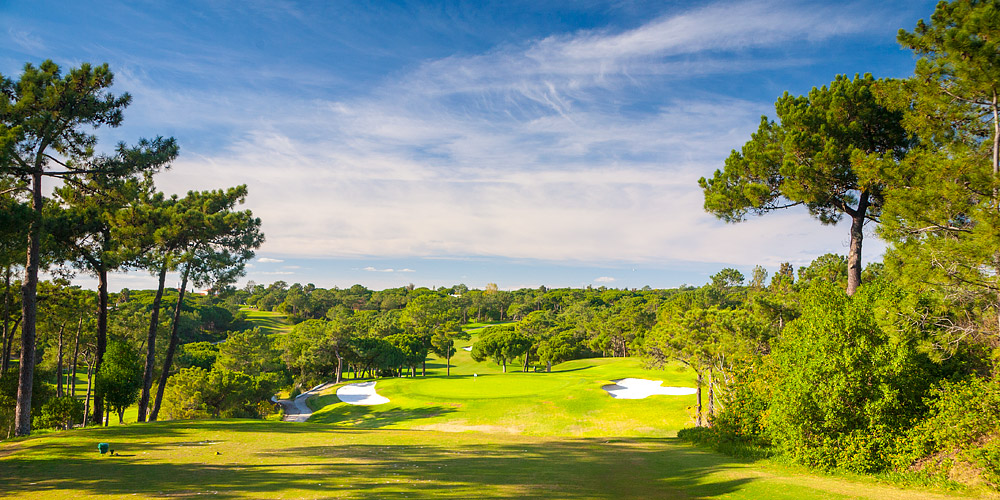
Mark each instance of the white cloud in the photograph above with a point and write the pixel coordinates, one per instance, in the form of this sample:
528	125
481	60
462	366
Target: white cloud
278	273
269	260
388	270
604	279
530	151
26	40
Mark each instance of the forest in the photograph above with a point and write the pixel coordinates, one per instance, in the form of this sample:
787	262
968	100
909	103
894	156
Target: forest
884	367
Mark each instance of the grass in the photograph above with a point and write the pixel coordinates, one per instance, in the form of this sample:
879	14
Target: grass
567	402
267	321
477	434
260	459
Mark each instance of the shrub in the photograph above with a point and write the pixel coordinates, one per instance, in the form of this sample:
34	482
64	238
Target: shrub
60	412
961	433
850	380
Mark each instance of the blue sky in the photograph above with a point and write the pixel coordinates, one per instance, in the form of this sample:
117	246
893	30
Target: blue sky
436	143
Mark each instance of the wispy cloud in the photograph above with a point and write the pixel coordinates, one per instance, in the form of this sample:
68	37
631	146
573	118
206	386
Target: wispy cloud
27	40
269	260
387	270
604	279
571	147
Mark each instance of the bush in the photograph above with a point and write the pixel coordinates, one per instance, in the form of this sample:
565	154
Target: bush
850	379
194	393
960	434
60	412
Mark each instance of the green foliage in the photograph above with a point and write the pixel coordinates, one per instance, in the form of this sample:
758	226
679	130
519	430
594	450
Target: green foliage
501	344
850	379
60	412
251	352
962	429
830	152
195	393
119	380
200	354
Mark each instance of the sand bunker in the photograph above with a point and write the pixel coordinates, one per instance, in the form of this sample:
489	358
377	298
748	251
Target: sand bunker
639	388
361	393
467	348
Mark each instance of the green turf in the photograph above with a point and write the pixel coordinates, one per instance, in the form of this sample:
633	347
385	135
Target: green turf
260	459
567	402
267	321
477	434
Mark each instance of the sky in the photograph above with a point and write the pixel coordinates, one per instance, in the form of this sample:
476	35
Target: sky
521	143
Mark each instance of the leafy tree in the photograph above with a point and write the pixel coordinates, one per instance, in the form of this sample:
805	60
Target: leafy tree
200	354
213	246
414	349
119	378
251	352
501	343
88	219
944	220
434	317
43	120
830	267
198	393
828	152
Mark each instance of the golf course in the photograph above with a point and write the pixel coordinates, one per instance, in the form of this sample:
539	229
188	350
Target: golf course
479	433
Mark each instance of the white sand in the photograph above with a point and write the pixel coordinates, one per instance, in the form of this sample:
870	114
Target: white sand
361	393
467	348
639	388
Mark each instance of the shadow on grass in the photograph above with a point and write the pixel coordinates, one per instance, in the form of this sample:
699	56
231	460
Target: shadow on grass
393	463
370	417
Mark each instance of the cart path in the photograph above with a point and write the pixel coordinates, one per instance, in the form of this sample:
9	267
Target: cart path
296	409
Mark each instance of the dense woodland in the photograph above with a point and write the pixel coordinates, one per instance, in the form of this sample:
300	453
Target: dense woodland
891	366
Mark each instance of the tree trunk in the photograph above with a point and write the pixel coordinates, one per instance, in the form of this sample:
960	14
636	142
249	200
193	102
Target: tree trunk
10	344
711	397
76	354
697	408
548	366
102	331
525	370
7	338
996	173
154	323
29	292
505	366
447	361
857	235
59	363
170	347
90	384
340	366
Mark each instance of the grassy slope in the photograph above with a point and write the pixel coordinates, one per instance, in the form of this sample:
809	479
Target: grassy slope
267	321
528	435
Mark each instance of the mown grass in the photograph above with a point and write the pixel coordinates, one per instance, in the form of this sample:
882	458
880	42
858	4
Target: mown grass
476	434
567	402
260	459
268	321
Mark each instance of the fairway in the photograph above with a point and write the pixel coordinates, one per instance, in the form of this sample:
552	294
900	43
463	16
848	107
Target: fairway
267	321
